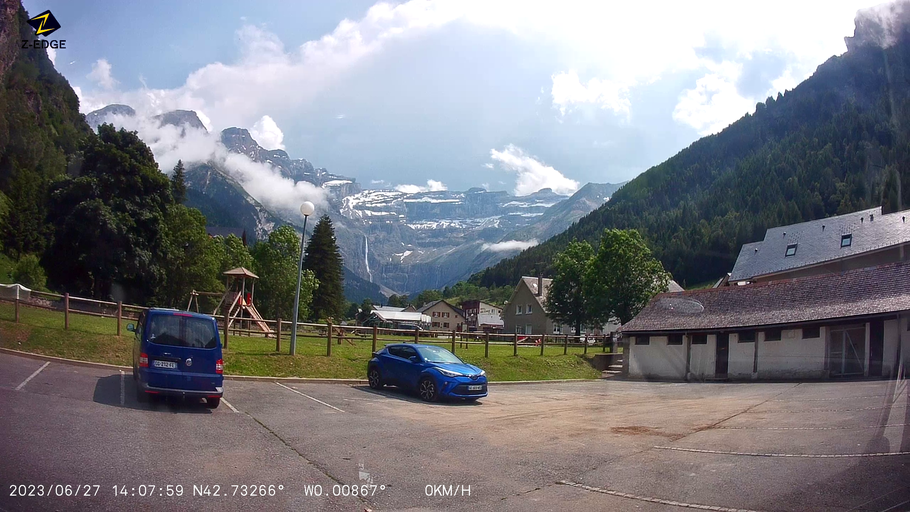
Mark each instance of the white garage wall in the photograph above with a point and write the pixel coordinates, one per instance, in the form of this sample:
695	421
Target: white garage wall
702	358
658	360
792	356
741	355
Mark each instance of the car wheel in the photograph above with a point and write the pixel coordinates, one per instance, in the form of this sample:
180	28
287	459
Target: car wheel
375	378
212	403
427	390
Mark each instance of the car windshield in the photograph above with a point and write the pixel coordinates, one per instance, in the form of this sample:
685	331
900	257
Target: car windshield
438	355
182	331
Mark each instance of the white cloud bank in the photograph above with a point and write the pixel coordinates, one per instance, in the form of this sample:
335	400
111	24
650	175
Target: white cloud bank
432	186
568	91
101	75
267	133
511	245
714	102
533	175
262	181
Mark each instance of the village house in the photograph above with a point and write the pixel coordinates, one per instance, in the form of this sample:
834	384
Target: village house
443	316
834	244
480	316
851	323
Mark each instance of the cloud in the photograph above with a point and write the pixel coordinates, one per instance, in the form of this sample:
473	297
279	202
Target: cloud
101	74
533	175
267	133
568	91
52	55
511	245
714	102
262	181
488	165
432	186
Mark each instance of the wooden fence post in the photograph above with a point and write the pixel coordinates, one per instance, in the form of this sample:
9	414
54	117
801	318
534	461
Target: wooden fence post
565	345
119	316
278	336
226	320
375	332
17	306
586	344
453	342
543	341
66	311
486	344
605	343
328	344
515	345
416	335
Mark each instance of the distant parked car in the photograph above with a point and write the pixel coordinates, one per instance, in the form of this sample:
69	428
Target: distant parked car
431	371
177	353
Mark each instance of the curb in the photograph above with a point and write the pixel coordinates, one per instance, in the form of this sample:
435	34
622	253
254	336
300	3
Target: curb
259	378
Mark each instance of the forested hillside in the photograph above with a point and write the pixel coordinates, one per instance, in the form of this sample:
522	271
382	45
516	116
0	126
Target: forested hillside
836	143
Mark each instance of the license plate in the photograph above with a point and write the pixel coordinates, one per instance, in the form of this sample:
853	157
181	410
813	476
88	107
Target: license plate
475	388
164	364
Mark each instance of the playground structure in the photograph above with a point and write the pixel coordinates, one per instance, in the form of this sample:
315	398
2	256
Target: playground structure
236	302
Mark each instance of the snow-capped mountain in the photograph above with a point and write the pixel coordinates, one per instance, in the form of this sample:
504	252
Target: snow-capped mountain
400	242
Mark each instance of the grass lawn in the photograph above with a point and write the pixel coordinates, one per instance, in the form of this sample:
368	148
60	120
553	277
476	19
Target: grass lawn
94	339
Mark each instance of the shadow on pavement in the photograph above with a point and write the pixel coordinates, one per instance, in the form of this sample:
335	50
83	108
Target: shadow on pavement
408	396
108	392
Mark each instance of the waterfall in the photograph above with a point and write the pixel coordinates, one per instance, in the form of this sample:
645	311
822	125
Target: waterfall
366	256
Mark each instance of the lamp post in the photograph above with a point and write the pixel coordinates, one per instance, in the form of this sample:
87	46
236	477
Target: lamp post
306	209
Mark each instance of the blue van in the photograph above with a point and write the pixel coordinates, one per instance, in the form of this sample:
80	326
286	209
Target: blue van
177	353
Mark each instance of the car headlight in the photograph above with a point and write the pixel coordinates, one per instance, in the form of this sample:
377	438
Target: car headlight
483	372
448	373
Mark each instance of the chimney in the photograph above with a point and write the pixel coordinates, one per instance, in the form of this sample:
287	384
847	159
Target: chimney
539	285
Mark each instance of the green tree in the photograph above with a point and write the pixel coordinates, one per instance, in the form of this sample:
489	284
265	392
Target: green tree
426	297
234	253
25	230
365	310
190	259
108	222
28	272
566	302
398	301
276	264
622	277
178	183
324	260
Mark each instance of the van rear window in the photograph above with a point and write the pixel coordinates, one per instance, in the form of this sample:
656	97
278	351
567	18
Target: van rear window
182	331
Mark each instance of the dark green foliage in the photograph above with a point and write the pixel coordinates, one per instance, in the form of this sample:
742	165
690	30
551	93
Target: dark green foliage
189	258
824	148
363	312
234	254
621	278
398	301
324	260
276	263
178	183
108	221
25	230
566	301
28	272
426	296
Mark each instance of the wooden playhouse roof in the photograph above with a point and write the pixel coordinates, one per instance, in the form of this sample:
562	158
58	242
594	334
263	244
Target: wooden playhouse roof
241	272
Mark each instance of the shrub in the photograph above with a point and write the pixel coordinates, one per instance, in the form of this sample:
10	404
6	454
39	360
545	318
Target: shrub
28	272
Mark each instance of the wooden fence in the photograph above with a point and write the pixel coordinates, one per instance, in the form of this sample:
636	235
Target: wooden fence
328	332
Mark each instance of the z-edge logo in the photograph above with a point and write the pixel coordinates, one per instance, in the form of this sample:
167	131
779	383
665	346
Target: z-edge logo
44	24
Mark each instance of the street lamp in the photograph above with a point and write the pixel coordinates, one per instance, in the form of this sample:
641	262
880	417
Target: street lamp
306	209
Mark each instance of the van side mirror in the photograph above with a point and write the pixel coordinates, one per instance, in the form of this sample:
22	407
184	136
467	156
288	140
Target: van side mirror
130	327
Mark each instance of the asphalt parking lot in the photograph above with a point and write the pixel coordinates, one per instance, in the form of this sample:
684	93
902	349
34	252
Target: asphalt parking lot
601	445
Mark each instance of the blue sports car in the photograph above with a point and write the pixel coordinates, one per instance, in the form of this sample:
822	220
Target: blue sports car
432	371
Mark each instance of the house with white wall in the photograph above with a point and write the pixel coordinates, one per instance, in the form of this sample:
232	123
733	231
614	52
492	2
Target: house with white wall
851	323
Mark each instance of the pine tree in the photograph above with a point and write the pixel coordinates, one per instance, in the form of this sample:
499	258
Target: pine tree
178	183
324	260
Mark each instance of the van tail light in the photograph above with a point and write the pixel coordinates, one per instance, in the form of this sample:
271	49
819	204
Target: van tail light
143	360
219	366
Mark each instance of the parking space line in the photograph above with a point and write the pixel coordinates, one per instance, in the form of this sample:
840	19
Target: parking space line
876	408
308	396
122	390
815	428
32	376
650	499
786	455
231	407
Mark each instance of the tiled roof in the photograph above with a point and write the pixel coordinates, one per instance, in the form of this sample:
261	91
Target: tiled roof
531	282
819	241
868	291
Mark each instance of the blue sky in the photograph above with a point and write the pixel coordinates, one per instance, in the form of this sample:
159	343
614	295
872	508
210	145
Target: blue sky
510	95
